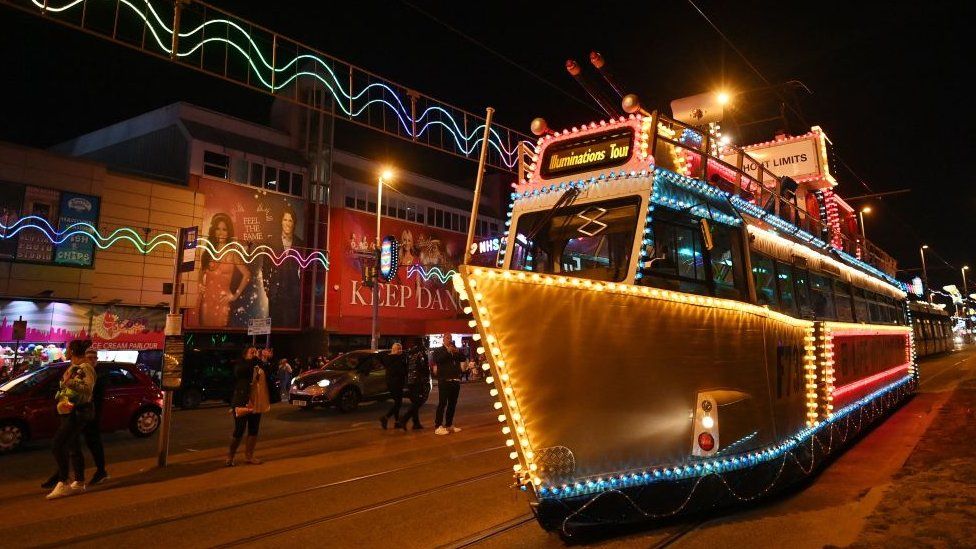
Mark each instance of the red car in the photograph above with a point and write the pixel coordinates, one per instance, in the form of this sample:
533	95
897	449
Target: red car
132	401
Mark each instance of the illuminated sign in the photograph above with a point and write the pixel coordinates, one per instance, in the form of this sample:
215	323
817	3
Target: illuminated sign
389	258
486	246
602	150
916	286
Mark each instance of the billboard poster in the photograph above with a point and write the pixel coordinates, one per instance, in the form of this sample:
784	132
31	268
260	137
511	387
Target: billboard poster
128	328
11	201
418	289
231	290
32	245
77	250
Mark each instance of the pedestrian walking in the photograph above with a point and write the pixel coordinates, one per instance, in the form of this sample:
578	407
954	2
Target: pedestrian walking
251	399
418	385
395	365
284	377
74	410
92	431
447	360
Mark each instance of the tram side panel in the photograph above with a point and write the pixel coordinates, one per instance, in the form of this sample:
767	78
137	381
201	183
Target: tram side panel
608	382
866	361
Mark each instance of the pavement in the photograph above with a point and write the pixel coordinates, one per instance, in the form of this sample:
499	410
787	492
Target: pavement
339	480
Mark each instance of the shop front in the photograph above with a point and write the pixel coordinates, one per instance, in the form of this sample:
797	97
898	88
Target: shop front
121	333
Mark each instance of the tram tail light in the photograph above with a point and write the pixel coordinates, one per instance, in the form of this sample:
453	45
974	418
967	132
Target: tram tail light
705	428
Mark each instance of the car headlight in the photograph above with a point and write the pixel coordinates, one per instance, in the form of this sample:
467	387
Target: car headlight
324	383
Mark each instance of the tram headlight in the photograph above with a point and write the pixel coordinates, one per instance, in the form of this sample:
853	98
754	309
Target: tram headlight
324	383
708	422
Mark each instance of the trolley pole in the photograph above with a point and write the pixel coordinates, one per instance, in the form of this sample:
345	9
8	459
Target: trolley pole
473	222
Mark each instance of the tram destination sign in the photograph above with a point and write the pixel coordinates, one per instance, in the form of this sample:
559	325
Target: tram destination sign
588	153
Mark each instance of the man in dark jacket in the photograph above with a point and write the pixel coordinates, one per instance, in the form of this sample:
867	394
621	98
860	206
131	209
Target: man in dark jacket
418	385
395	365
447	360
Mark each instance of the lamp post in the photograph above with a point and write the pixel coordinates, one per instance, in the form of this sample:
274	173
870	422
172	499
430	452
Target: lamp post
925	273
864	210
963	271
374	342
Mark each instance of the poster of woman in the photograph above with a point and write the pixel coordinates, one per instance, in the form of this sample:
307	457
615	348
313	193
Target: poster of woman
233	290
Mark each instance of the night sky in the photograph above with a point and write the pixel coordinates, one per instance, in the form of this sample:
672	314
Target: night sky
887	81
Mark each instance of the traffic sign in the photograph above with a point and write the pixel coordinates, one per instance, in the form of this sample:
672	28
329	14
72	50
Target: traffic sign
258	326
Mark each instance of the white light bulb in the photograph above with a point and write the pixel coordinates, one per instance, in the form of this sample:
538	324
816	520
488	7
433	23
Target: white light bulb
708	422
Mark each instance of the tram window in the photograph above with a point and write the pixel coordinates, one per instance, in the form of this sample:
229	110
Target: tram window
822	297
724	257
677	254
591	240
784	281
765	277
874	309
917	328
801	284
860	306
842	293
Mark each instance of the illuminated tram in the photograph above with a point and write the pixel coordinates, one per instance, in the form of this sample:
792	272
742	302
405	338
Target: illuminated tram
673	327
933	328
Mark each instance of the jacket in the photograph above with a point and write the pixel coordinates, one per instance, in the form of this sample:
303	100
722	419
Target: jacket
448	363
396	370
418	368
243	373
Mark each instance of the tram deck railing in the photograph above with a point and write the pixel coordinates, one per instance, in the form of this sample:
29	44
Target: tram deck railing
688	150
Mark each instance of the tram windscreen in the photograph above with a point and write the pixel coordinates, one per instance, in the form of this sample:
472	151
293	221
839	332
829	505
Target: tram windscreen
593	240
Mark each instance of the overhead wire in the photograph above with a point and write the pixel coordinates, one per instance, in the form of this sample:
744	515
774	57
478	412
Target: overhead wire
804	121
500	55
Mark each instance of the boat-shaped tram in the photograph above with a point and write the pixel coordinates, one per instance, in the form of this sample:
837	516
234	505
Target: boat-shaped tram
675	325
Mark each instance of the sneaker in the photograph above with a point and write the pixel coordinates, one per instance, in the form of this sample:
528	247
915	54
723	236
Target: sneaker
51	482
383	422
61	489
99	477
78	486
442	431
455	429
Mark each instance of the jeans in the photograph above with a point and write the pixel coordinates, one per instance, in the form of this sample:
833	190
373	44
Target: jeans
93	440
447	400
396	393
67	444
251	421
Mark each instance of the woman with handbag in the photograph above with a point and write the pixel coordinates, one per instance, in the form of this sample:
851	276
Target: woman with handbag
251	399
75	409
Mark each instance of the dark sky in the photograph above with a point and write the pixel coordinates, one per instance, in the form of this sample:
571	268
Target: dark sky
887	81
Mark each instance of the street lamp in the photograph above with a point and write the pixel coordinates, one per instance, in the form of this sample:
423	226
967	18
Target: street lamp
925	273
374	342
963	271
864	210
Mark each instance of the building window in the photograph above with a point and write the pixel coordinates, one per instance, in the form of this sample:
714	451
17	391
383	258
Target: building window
297	185
216	164
257	175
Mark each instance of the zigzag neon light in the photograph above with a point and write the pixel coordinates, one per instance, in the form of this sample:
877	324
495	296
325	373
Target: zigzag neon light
162	34
163	239
433	272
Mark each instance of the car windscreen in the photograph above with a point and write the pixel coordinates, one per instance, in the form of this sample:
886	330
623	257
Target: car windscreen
347	362
27	382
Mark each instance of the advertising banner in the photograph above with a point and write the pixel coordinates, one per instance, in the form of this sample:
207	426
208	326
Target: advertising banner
32	245
78	249
233	290
796	158
419	290
11	201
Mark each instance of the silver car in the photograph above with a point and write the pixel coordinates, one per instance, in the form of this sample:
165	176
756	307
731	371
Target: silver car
344	382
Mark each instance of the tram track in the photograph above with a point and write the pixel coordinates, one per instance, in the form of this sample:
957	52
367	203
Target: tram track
490	532
149	524
360	510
